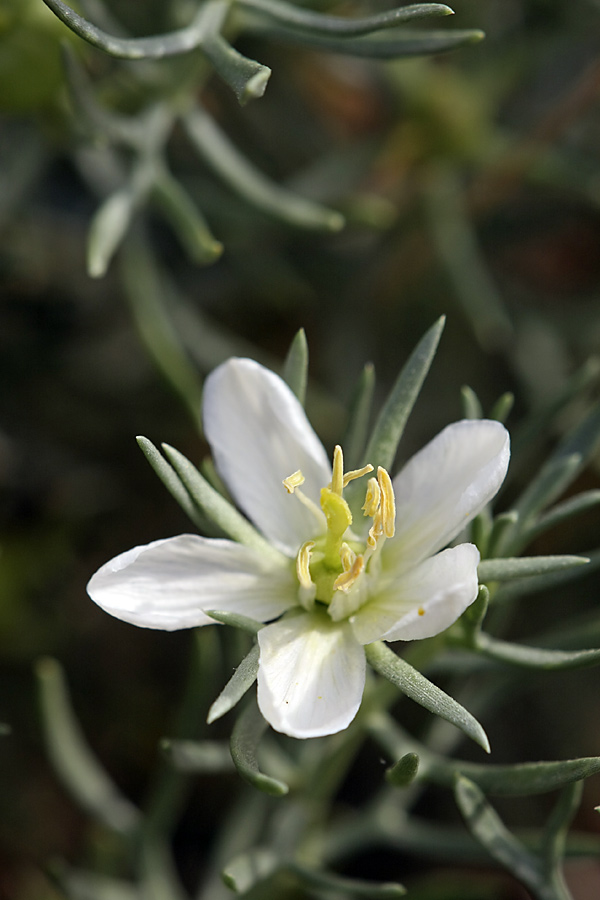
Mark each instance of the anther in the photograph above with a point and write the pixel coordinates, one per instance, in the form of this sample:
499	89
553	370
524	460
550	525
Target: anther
371	504
353	474
293	481
345	581
337	478
388	503
303	564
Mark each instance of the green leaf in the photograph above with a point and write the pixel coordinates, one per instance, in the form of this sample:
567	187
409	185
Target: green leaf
185	218
295	370
517	780
215	506
348	887
73	761
502	407
404	772
471	405
249	182
557	826
172	482
242	680
403	44
318	23
541	876
108	228
389	427
245	737
248	869
355	438
198	756
486	826
536	583
534	657
562	512
422	691
525	566
236	620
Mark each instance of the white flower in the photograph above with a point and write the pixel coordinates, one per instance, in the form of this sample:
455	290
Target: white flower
329	585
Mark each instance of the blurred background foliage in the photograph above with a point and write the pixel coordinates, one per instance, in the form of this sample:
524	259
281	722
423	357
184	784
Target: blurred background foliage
470	185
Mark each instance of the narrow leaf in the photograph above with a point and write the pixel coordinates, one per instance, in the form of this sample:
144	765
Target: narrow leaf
403	44
486	826
249	869
198	756
295	370
186	220
318	23
107	230
535	657
557	826
502	407
245	737
73	761
389	428
171	481
236	620
422	691
249	182
525	566
348	887
215	506
404	772
355	439
547	581
242	680
471	405
562	512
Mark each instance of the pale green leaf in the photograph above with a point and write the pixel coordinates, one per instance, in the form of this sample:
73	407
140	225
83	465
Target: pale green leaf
422	691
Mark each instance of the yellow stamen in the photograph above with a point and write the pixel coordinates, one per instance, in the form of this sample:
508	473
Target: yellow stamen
348	577
293	481
371	503
388	503
337	478
353	474
303	564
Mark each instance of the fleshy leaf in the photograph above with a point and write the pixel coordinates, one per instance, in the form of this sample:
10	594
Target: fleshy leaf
318	23
171	481
525	566
236	620
348	887
471	405
215	506
355	439
535	657
486	826
295	370
422	691
242	680
249	869
394	415
245	737
74	762
250	183
198	756
404	772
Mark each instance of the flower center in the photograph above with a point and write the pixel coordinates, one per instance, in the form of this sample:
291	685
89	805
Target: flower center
329	568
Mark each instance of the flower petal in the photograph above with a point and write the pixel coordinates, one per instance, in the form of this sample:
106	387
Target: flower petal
259	435
167	584
445	485
423	601
311	675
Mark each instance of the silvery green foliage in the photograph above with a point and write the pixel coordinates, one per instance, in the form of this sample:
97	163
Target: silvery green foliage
131	170
287	836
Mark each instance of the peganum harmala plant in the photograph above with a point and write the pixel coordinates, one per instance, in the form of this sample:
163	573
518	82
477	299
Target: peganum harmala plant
312	588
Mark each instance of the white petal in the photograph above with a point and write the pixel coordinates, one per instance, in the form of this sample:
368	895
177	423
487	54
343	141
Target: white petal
311	675
259	435
445	485
167	584
423	601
